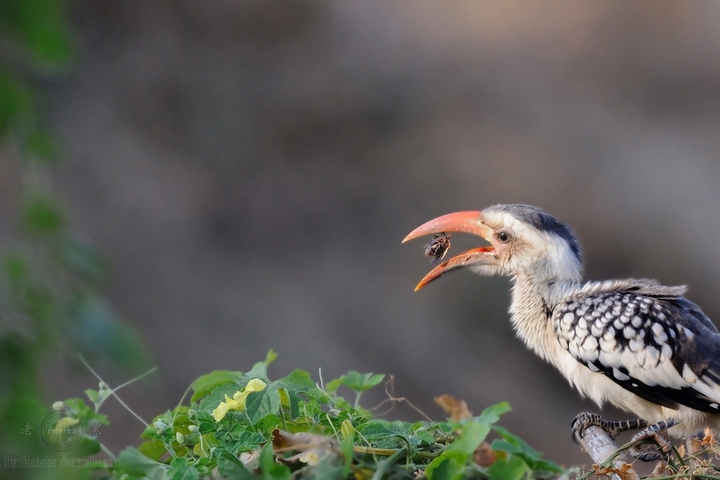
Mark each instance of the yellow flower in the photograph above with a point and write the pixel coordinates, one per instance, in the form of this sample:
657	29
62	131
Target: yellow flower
238	400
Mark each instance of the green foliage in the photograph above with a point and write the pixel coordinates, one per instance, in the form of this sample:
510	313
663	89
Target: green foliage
50	299
357	382
244	425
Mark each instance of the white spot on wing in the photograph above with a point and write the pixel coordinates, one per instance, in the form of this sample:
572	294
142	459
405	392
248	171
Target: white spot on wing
620	376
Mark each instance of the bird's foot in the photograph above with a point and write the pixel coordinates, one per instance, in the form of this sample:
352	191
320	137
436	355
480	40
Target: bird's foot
653	434
613	428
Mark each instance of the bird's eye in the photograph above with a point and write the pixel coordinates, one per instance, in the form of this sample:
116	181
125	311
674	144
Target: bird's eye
503	237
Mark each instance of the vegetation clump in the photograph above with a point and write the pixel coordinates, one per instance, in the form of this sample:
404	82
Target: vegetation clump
245	425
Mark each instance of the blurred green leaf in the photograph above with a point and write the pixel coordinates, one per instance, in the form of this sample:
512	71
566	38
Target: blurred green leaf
40	27
17	268
511	468
82	259
271	470
42	147
97	332
471	436
42	215
136	465
515	445
449	465
86	447
15	101
492	413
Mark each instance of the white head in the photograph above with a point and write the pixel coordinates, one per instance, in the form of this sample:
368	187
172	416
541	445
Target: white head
525	242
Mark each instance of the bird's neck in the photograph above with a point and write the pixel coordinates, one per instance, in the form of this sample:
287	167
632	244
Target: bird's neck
531	309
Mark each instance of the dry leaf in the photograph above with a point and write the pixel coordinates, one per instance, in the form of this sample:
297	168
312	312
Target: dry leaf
660	469
455	409
250	459
302	441
709	439
311	447
625	472
483	455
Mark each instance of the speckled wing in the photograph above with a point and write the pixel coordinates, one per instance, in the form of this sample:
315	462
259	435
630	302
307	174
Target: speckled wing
660	347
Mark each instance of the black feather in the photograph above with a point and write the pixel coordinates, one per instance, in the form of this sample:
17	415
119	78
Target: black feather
673	315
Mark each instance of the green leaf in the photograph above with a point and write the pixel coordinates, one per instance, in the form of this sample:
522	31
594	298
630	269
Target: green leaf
180	420
259	370
290	388
383	434
424	436
270	357
132	462
242	440
471	436
511	468
153	449
205	384
270	469
229	466
261	404
181	470
76	408
358	382
492	414
93	395
99	396
210	402
206	423
333	385
449	465
518	447
205	444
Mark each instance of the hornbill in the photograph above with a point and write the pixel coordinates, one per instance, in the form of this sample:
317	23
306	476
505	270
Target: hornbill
636	344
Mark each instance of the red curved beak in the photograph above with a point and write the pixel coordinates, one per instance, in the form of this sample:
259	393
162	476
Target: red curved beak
465	222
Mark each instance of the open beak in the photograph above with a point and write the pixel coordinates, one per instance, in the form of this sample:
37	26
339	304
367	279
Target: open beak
466	222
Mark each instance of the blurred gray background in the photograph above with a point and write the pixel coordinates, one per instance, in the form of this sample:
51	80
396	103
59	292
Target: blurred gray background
251	167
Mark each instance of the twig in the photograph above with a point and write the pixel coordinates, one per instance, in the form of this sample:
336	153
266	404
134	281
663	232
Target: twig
600	447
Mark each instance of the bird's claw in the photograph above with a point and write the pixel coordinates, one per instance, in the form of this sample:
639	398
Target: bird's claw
586	420
646	455
582	422
655	436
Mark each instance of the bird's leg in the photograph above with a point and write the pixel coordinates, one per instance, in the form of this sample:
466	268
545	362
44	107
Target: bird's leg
613	428
655	433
